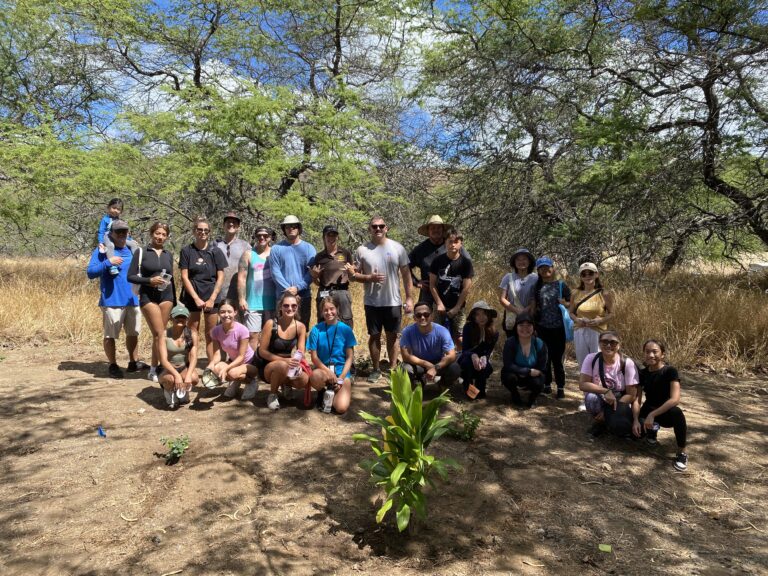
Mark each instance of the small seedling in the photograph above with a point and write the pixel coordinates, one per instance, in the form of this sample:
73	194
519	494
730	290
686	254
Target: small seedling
176	447
465	426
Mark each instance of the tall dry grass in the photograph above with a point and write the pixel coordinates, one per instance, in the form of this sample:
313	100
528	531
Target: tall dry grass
709	320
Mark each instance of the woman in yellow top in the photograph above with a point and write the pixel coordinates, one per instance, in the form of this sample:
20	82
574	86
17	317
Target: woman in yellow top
591	308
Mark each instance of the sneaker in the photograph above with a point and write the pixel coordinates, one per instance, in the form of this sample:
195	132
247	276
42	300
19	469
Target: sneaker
250	390
681	462
182	397
136	366
582	407
232	389
374	376
547	390
560	393
114	371
650	437
170	398
114	270
152	374
272	402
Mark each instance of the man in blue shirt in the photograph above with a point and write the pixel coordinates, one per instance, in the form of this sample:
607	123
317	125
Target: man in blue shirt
119	305
428	351
290	260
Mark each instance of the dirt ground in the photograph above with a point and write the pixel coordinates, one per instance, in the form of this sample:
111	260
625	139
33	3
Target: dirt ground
281	493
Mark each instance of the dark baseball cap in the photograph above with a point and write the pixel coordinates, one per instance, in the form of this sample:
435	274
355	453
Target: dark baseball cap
330	228
119	225
232	214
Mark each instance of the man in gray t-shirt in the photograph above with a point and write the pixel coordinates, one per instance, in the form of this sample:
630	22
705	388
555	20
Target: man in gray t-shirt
233	248
381	264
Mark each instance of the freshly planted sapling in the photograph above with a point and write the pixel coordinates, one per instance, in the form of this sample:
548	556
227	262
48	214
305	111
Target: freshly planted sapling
465	427
176	448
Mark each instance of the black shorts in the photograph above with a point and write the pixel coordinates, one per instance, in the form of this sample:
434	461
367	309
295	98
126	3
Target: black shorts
151	295
386	317
187	300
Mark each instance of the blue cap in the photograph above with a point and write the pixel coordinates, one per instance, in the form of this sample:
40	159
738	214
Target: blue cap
544	261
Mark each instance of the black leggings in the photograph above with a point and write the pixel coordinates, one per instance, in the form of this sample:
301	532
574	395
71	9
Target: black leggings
672	418
554	338
533	383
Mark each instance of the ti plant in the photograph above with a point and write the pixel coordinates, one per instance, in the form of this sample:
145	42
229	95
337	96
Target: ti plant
402	466
176	447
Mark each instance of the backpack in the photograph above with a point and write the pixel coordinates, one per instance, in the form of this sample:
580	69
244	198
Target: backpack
601	366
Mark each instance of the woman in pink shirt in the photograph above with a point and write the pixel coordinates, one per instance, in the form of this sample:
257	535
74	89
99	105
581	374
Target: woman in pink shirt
232	337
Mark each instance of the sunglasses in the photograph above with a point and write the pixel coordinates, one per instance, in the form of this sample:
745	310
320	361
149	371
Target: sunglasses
611	343
422	314
262	236
290	306
291	226
378	226
587	273
203	230
120	232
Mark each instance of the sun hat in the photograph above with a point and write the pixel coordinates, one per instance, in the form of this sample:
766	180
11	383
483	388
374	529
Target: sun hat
423	230
544	261
180	310
290	219
233	215
119	225
525	252
483	305
588	266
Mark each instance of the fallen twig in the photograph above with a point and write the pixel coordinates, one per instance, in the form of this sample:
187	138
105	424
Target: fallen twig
748	527
172	573
532	564
124	517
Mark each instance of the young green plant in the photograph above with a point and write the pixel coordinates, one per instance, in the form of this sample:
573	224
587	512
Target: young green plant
402	467
176	447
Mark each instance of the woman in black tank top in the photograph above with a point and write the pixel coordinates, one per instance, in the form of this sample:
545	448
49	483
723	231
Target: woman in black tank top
279	339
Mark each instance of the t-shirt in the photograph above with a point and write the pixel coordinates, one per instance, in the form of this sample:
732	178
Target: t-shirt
333	268
548	303
232	252
450	276
614	378
202	266
658	385
431	346
386	258
331	343
422	257
524	287
289	266
230	341
259	287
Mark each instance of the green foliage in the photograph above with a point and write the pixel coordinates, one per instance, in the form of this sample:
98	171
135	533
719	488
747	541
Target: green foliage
176	447
402	467
465	427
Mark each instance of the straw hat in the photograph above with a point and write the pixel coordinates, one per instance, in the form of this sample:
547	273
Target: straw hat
424	228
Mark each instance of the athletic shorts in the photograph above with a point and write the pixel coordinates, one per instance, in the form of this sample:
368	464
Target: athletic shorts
192	307
156	296
255	319
386	317
343	304
117	318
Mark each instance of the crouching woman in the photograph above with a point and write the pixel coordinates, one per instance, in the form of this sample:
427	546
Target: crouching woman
525	359
609	381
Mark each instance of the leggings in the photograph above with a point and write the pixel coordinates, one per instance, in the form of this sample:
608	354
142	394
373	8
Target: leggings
672	418
554	338
470	375
533	383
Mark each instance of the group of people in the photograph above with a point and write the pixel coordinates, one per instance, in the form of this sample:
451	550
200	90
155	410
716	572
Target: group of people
256	301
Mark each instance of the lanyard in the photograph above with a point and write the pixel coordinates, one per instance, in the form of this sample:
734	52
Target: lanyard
330	346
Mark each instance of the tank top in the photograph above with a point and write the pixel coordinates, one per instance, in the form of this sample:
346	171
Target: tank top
282	346
260	288
591	309
177	355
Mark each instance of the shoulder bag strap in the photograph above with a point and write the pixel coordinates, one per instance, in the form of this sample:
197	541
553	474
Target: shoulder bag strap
587	297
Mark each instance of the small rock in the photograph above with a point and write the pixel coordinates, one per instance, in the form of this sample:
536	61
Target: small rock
541	531
605	466
638	505
141	411
156	539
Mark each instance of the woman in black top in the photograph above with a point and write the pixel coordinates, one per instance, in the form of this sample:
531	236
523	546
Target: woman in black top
661	385
479	338
157	293
202	272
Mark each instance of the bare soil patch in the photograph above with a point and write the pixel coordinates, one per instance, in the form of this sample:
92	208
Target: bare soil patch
281	493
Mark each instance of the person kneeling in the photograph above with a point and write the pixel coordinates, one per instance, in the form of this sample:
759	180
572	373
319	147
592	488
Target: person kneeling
525	358
609	381
232	337
178	358
428	351
331	344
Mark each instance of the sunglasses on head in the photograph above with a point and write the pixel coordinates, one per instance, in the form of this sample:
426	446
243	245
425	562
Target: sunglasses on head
422	314
378	226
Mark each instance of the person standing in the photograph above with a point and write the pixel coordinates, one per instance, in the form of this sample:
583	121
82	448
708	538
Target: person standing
450	279
331	270
382	262
202	272
290	266
119	305
256	290
233	248
517	288
421	256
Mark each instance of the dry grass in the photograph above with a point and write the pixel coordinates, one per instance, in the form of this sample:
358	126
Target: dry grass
712	320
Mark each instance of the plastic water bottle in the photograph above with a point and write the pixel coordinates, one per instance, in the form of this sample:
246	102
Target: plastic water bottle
328	397
293	373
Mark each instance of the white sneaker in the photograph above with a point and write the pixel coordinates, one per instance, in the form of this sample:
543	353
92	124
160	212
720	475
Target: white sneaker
582	407
272	402
232	389
250	390
152	374
170	398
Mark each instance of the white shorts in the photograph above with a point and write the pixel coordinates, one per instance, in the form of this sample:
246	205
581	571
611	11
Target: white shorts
116	318
255	319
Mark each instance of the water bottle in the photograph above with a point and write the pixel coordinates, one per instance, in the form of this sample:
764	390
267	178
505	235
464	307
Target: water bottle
293	373
328	397
166	280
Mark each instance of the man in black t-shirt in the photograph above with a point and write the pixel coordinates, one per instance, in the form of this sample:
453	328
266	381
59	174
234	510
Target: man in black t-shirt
450	279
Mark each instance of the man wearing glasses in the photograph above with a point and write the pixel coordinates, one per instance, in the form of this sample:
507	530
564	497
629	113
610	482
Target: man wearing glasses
428	351
382	262
233	248
290	266
119	305
256	290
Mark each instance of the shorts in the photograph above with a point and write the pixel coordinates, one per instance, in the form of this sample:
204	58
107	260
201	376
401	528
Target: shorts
115	318
386	317
187	300
343	304
147	295
255	319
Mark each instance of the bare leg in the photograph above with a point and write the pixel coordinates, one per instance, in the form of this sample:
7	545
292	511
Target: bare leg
343	397
109	350
132	345
374	348
392	349
211	319
253	340
154	315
